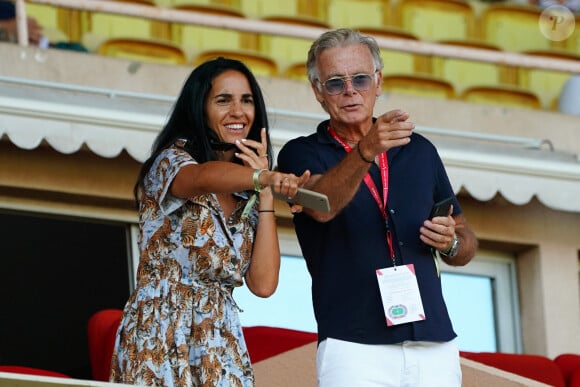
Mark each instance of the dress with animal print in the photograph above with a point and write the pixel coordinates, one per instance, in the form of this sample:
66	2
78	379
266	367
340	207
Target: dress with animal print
180	326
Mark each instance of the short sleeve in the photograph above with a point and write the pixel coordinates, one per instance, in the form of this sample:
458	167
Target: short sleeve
159	178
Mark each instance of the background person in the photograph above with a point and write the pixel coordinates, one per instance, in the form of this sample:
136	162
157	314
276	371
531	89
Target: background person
572	5
9	27
377	325
203	231
569	100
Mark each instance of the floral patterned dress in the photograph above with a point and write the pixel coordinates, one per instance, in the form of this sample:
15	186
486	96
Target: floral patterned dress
180	326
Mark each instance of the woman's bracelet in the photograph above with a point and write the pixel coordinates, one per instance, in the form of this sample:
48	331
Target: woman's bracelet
362	157
256	180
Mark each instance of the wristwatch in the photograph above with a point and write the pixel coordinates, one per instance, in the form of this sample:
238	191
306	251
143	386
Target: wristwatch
454	249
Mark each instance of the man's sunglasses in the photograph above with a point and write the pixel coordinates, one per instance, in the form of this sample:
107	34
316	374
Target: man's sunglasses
336	85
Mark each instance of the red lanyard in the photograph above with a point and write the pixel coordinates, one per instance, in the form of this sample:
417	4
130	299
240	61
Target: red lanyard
384	168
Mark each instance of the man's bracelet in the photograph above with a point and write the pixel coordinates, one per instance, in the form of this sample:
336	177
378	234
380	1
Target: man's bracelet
362	156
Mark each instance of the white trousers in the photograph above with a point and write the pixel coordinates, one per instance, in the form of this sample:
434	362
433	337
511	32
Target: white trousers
409	364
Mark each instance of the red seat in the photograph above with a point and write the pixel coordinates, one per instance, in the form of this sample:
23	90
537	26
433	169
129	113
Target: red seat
102	331
31	371
534	367
569	364
264	342
574	380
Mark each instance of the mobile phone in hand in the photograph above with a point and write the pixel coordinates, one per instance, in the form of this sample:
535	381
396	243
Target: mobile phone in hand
307	198
441	208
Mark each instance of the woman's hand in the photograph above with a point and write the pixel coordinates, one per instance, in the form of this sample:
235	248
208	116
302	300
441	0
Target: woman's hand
253	153
285	184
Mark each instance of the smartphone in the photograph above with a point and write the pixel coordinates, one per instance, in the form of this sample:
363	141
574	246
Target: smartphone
441	208
307	198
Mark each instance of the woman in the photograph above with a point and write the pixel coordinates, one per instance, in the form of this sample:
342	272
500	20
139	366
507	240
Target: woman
206	214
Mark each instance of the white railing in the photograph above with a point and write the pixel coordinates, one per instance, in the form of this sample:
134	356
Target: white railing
273	28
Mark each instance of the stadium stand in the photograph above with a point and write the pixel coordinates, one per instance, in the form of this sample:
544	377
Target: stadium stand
99	26
143	50
546	84
507	96
470	24
296	71
288	50
513	27
418	85
356	13
193	39
258	9
424	19
399	62
466	73
259	64
59	24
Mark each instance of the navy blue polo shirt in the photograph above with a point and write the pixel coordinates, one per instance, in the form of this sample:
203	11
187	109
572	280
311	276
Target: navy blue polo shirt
343	254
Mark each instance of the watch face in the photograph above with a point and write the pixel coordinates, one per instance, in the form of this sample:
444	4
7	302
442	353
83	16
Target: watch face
454	247
453	252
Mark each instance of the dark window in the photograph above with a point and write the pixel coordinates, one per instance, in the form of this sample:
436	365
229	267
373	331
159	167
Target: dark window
55	273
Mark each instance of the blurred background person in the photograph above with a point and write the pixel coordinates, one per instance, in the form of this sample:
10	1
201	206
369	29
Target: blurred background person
569	101
9	26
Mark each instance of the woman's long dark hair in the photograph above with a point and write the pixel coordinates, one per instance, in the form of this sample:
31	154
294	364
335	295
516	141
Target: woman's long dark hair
188	118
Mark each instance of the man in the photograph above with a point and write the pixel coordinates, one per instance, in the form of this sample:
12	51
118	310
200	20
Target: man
9	27
381	317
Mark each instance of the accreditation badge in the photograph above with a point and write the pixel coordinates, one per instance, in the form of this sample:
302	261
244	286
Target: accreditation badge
400	294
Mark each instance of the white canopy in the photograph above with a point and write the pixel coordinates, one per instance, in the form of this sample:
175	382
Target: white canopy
108	122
